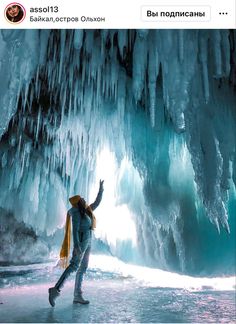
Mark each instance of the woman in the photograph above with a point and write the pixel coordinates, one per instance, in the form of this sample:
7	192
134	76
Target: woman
14	13
83	222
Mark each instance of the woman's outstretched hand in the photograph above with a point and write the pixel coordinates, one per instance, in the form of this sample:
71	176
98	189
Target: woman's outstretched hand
101	184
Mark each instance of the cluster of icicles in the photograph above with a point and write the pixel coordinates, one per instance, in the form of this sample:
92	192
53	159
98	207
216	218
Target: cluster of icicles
87	73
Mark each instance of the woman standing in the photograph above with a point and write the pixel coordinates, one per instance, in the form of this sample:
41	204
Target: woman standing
83	222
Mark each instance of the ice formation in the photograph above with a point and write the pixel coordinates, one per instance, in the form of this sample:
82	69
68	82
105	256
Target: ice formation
162	99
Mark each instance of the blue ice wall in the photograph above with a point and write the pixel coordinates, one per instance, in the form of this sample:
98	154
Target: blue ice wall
162	99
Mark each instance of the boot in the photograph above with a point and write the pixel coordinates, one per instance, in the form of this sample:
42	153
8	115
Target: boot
53	294
80	300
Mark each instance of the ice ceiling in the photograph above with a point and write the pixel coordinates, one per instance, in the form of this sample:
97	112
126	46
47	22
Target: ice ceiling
160	102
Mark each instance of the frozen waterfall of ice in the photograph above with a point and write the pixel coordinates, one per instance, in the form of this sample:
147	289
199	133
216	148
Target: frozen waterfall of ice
162	102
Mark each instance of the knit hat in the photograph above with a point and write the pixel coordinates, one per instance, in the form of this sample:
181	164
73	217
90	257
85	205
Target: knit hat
74	200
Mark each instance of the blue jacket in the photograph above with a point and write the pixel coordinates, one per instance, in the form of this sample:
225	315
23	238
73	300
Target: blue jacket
83	223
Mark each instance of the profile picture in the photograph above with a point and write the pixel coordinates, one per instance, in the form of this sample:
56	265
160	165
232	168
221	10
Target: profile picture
15	13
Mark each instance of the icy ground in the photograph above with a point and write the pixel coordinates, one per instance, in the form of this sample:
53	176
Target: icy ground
116	296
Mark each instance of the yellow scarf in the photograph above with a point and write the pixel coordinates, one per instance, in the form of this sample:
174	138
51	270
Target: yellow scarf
65	249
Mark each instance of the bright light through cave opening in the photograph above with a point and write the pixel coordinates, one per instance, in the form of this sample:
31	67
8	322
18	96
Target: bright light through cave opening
115	220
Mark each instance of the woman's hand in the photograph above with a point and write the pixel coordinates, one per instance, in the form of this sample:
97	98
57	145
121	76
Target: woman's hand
101	184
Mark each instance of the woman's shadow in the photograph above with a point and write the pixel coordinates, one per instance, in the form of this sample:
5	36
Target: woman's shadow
71	313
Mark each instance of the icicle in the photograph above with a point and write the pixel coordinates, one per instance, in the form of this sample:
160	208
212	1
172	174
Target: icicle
217	224
139	65
62	53
181	45
153	68
38	125
89	41
216	39
121	94
43	40
103	34
226	226
203	57
31	45
225	48
78	39
122	41
114	77
4	160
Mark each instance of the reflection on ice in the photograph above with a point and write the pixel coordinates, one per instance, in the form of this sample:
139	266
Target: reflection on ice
104	267
158	278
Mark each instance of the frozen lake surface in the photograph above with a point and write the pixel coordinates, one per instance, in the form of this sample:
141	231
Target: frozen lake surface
114	297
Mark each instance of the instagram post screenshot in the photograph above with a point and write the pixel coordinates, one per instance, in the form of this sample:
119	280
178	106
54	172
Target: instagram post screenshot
118	161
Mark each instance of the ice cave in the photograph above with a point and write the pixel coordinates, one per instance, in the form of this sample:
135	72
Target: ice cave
153	114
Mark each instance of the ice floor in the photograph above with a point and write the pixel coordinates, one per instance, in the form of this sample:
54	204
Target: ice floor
114	297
